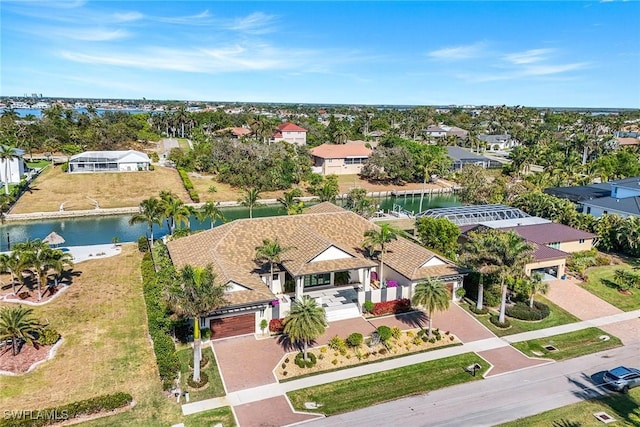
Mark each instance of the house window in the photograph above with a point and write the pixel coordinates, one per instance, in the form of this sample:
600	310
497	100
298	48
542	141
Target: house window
581	241
354	160
554	245
317	280
275	276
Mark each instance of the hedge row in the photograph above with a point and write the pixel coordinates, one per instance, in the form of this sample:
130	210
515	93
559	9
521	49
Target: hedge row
522	311
391	307
159	324
44	417
188	185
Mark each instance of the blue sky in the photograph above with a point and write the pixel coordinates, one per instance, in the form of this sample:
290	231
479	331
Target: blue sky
573	54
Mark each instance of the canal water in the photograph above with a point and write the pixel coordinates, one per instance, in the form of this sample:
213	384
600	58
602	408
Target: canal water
102	230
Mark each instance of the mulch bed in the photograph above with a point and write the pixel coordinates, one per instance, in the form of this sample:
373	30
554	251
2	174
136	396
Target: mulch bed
27	295
27	356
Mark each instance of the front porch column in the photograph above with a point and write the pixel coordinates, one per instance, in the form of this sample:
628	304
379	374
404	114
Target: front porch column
332	278
299	288
367	279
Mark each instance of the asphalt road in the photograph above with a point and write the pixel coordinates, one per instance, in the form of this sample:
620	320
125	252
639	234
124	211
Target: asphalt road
497	399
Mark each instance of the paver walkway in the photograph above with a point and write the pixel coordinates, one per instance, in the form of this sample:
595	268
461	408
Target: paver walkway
508	359
569	295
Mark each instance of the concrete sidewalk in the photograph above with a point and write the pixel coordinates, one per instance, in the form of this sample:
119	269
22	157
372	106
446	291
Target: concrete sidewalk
279	389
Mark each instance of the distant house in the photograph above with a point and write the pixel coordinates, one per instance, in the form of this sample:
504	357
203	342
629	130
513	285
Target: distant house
497	142
15	170
341	159
462	157
441	131
109	161
291	133
234	132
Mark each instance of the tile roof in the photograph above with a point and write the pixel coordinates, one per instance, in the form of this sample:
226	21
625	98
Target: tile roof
628	141
230	249
340	151
549	233
290	127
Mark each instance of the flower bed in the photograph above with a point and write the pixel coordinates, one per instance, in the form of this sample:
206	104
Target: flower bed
391	307
327	359
276	326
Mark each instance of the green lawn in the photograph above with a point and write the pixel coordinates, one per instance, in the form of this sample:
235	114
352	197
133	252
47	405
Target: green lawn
600	283
620	406
38	164
367	390
558	316
223	416
215	388
572	344
184	144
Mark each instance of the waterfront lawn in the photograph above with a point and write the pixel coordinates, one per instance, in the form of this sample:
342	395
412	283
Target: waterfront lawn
53	187
349	395
106	349
620	406
223	416
202	183
214	389
600	282
558	316
572	344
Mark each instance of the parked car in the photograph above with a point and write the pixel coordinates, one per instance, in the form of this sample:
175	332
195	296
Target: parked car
622	378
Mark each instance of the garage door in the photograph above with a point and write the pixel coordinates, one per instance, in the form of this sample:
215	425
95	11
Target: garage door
232	326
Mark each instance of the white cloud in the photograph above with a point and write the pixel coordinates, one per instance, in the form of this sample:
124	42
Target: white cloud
128	16
90	34
458	52
255	23
528	56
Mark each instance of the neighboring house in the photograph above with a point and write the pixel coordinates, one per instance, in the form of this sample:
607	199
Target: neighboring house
623	199
498	142
339	159
435	131
627	141
325	255
15	170
291	133
234	132
109	161
441	131
462	157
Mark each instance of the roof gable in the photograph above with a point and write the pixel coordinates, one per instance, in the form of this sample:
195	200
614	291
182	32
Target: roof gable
331	253
290	127
340	151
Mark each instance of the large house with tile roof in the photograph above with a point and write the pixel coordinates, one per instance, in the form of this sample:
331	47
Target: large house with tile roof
291	133
325	254
339	159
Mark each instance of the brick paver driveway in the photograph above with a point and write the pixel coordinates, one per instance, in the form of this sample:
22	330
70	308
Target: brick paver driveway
569	295
455	319
269	412
628	331
507	359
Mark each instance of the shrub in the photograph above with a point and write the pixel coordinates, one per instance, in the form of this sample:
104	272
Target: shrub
368	306
474	310
324	349
204	379
205	333
382	351
152	167
72	410
64	167
143	244
337	343
522	311
391	307
276	326
384	332
285	373
432	340
309	363
334	361
396	332
283	366
49	336
417	340
203	361
195	197
355	339
494	320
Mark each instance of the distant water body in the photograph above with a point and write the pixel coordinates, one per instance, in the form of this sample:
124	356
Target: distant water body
24	112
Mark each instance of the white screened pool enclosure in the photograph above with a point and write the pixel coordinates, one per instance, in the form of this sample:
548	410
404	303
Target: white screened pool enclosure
109	161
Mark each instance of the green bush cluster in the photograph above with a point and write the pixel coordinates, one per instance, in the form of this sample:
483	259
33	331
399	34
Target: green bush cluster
159	321
143	244
580	261
384	332
338	344
626	279
368	306
108	402
522	311
49	336
188	185
309	363
474	309
355	339
396	332
495	320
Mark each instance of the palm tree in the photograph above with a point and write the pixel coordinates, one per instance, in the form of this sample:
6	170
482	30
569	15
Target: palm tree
17	324
306	322
537	286
11	262
250	199
380	237
7	153
432	295
212	211
271	252
477	253
5	205
196	294
291	203
151	212
59	260
174	210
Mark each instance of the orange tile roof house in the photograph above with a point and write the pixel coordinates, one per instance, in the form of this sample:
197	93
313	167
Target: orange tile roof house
291	133
339	159
326	261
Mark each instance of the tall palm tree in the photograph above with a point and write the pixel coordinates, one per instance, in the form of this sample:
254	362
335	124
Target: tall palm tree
151	212
477	253
380	237
59	260
250	199
18	324
306	322
291	203
196	294
12	263
212	211
7	153
271	252
174	210
433	296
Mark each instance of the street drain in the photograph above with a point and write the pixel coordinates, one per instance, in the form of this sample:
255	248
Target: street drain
550	348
